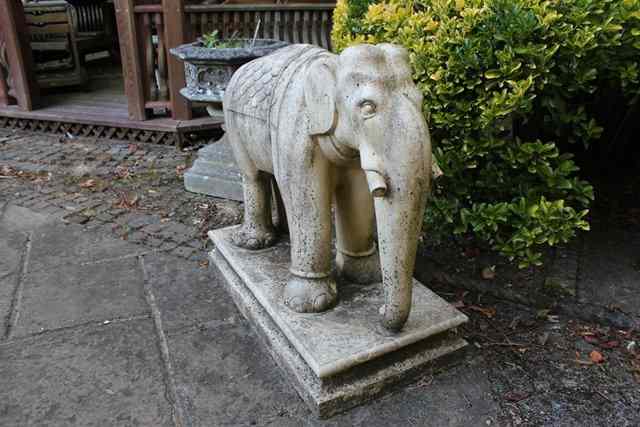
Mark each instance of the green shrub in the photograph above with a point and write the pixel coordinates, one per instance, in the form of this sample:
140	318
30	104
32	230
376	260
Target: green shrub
505	83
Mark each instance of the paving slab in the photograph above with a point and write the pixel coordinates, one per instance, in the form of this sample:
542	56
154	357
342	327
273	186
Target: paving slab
224	377
71	244
12	245
70	294
17	218
93	376
609	272
186	294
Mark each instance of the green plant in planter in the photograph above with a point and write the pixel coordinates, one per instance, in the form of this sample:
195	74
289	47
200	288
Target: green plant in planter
505	82
212	40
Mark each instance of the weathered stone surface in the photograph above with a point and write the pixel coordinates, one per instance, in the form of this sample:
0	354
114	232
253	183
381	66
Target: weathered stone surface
16	218
72	294
346	336
12	245
613	263
336	133
107	375
63	244
185	293
215	172
339	358
225	377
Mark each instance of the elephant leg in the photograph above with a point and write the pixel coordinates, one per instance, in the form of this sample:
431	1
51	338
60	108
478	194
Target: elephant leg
307	200
357	258
257	229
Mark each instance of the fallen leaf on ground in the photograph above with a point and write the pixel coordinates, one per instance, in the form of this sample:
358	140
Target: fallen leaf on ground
610	344
515	396
180	169
7	172
488	273
596	356
471	252
127	200
487	311
580	361
121	172
88	183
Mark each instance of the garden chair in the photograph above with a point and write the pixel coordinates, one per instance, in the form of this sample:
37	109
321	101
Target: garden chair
54	44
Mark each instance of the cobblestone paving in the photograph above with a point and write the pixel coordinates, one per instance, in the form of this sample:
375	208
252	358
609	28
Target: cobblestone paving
132	191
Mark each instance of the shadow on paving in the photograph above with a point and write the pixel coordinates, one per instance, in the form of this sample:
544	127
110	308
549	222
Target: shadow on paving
98	332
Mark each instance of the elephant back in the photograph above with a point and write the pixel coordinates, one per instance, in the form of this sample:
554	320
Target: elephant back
252	88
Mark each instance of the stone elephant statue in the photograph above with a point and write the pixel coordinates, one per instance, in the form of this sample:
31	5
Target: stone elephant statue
345	129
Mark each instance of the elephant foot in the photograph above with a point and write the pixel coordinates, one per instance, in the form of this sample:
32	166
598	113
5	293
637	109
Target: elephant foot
362	270
305	295
253	238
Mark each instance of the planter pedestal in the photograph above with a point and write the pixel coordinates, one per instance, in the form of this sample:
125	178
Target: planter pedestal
215	172
342	357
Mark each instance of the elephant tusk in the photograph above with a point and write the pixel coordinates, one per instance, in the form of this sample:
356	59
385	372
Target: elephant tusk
377	185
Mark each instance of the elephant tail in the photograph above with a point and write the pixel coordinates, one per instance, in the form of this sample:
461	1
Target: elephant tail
281	214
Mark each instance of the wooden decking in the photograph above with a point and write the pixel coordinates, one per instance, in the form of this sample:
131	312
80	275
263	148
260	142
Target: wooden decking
100	109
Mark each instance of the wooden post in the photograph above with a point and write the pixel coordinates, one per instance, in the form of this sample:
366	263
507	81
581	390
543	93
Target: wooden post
5	99
175	34
4	91
131	67
24	87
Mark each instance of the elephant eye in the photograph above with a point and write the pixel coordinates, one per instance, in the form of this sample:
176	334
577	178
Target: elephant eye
368	109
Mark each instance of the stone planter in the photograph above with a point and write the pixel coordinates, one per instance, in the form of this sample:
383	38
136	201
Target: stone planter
207	72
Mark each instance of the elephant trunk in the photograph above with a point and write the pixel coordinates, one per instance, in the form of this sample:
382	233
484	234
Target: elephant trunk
399	220
399	180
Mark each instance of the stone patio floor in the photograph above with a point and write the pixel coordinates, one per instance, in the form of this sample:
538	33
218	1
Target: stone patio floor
109	315
98	331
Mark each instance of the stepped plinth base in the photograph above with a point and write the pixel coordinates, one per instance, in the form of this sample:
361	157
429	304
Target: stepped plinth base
343	357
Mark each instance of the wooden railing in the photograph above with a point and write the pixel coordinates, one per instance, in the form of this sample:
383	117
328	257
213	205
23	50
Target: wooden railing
147	31
294	23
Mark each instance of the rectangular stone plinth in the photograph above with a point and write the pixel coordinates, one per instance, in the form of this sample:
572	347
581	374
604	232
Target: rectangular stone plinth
215	172
342	357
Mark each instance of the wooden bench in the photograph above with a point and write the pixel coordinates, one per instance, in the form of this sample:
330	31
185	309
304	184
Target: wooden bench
54	44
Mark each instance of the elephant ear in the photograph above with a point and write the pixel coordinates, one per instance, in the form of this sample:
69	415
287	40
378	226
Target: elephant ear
320	96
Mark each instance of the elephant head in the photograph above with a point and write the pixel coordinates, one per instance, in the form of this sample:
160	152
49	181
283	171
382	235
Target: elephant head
365	100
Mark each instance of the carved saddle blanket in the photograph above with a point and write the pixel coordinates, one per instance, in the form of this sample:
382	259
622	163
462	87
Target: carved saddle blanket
257	88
